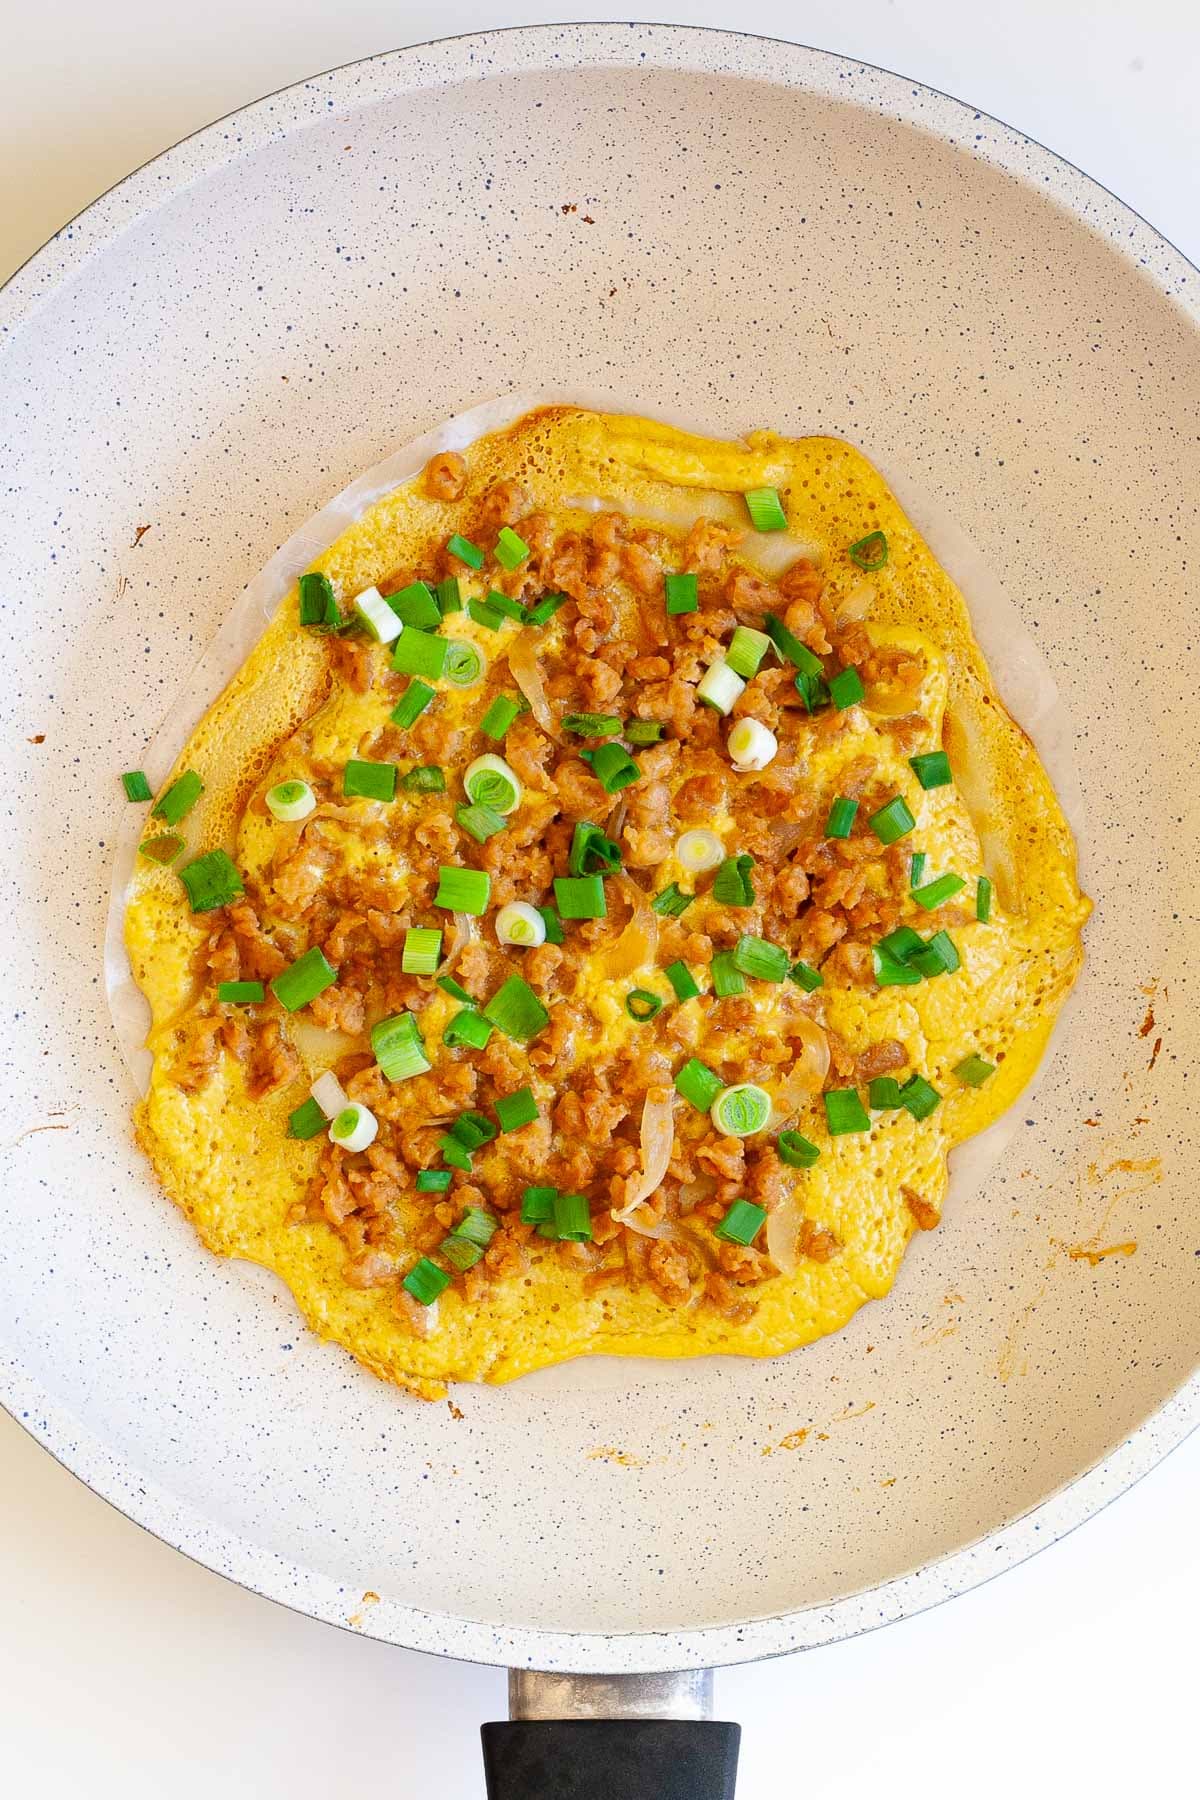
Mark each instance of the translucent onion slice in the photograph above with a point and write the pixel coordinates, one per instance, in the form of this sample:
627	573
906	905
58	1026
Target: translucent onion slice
783	1233
466	931
521	924
806	1076
329	1094
638	943
658	1141
699	850
523	661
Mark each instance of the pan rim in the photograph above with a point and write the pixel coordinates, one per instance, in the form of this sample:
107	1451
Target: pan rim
481	55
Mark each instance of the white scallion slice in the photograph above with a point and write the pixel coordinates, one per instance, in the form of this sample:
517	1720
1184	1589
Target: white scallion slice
354	1128
720	687
466	665
381	622
752	745
490	781
699	850
290	800
329	1094
746	651
741	1111
520	923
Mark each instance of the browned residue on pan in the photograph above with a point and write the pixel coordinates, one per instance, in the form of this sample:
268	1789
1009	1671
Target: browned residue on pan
1085	1252
1154	1052
609	1453
1147	1025
369	1599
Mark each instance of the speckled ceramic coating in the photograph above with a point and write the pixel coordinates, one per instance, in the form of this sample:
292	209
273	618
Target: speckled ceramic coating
759	235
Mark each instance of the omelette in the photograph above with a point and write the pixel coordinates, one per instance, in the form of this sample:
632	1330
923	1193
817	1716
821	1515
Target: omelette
589	919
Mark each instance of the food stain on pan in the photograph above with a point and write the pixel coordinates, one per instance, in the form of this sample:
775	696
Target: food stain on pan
369	1599
792	1441
60	1119
609	1453
1084	1253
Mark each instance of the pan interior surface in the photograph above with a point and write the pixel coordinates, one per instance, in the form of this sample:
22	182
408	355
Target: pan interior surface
271	309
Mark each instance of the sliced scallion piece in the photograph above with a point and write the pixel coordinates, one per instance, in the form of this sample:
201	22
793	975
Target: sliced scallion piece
572	1219
916	868
415	606
766	509
449	986
841	817
698	1084
240	993
521	924
742	1223
515	1110
303	980
505	606
211	880
747	648
883	1094
476	1227
938	957
919	1098
720	687
454	1153
290	800
355	1128
162	850
672	903
499	716
642	1005
580	897
544	611
902	943
983	900
479	821
490	781
424	778
307	1121
511	550
467	1030
614	768
472	1130
422	951
934	893
751	745
466	664
176	803
727	978
741	1111
466	551
733	886
796	1151
755	956
683	593
516	1010
890	972
425	1281
411	704
376	616
460	1252
644	731
682	981
974	1070
592	725
845	1112
486	615
318	604
846	688
537	1205
398	1047
699	850
433	1181
893	821
591	852
448	595
369	780
420	653
806	977
813	691
789	645
136	786
870	552
553	924
463	890
932	769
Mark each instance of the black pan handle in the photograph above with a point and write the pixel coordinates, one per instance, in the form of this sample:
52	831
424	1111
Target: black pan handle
592	1737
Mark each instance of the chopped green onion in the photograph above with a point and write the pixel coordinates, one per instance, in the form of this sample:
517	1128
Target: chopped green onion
425	1281
746	651
355	1129
468	1030
369	780
765	962
751	745
472	1130
554	930
697	1083
845	1112
932	769
592	725
420	653
883	1094
318	605
537	1205
399	1048
179	799
476	1227
515	1110
846	688
465	663
580	897
463	890
720	687
303	980
683	595
516	1010
591	852
682	980
614	768
733	886
918	1098
415	606
454	1153
889	972
796	1151
460	1252
290	800
411	704
448	595
812	690
935	892
479	820
672	903
644	731
422	951
902	943
424	778
506	607
499	716
916	868
306	1121
483	614
983	900
806	977
466	551
642	1005
433	1181
742	1110
841	817
789	645
211	881
974	1070
521	924
511	550
491	782
893	821
376	617
572	1219
162	850
449	986
136	786
938	957
699	850
742	1223
727	978
544	611
241	993
765	509
870	552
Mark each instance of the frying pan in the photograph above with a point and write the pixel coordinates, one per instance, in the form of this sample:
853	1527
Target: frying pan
750	233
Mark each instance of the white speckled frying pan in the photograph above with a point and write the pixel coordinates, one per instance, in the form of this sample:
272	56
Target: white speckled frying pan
763	235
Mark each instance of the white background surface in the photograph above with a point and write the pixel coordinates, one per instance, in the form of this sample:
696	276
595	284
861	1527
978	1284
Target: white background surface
127	1671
